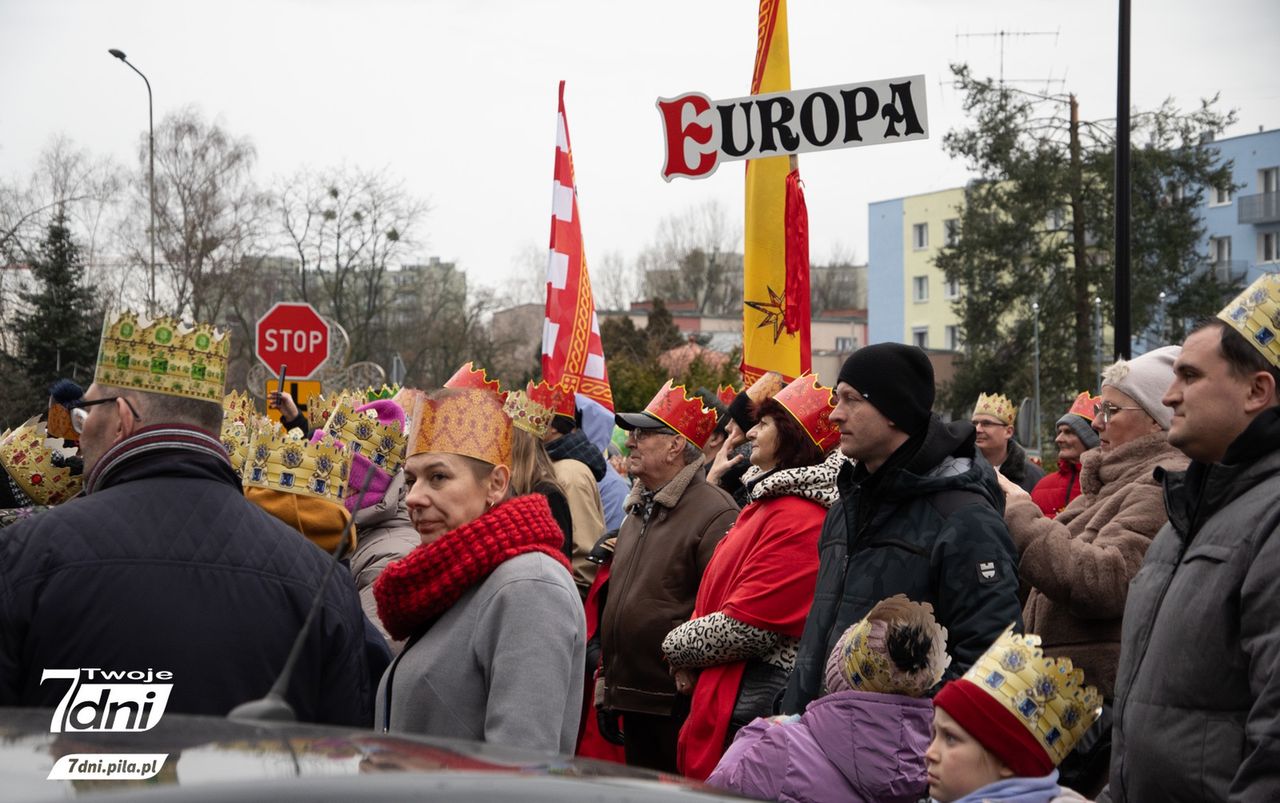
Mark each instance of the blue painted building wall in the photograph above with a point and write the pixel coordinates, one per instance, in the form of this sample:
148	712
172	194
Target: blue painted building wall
1249	154
886	291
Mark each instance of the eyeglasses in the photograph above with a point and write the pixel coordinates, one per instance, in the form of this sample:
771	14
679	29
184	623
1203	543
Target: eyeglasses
641	434
1105	410
80	412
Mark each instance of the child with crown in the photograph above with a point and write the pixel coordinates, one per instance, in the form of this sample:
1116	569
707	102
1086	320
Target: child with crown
495	627
1000	731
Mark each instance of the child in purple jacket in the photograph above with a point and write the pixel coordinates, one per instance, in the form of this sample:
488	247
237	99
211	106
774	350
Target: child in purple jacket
866	739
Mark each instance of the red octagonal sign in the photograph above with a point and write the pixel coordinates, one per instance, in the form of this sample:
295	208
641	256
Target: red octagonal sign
294	335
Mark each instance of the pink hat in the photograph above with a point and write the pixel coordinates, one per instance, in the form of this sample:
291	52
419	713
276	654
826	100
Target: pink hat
388	413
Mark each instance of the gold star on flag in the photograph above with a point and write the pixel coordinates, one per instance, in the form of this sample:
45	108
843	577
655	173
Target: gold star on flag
774	310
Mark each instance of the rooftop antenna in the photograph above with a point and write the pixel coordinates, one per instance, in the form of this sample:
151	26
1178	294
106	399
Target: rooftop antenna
1001	36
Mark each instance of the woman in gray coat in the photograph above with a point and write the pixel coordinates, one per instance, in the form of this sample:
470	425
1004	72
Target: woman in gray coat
495	626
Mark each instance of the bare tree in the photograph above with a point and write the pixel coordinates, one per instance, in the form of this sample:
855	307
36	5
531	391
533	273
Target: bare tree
613	282
839	283
694	257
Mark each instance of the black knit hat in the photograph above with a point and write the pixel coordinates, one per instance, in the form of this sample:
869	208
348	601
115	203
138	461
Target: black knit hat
896	379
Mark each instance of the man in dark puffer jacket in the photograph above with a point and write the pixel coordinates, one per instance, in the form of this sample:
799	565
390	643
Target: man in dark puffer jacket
919	514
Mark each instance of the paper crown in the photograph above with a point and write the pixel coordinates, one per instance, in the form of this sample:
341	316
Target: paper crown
557	397
863	656
59	422
1047	696
810	405
240	420
726	394
527	414
766	387
468	377
164	356
382	393
1083	405
27	455
687	416
288	462
465	421
996	406
1255	314
364	433
321	407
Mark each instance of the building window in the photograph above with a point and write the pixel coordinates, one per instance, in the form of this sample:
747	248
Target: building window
920	289
1174	192
920	236
1220	250
951	289
844	344
951	232
920	336
952	335
1056	220
1219	196
1269	246
1269	179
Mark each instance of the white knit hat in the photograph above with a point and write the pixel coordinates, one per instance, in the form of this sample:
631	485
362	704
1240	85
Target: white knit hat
1145	379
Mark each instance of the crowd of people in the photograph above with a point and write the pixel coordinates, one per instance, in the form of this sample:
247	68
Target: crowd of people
792	592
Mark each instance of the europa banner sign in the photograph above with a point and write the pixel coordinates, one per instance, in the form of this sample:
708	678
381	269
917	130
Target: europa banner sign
701	133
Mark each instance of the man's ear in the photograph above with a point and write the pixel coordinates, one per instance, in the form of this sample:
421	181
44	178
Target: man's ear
126	422
1262	392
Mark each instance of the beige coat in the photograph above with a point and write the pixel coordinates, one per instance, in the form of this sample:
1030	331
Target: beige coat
583	495
1079	565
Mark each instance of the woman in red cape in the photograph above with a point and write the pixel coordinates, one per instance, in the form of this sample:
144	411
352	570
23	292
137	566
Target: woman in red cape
737	650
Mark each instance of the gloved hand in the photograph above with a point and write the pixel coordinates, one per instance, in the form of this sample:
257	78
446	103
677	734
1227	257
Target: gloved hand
610	727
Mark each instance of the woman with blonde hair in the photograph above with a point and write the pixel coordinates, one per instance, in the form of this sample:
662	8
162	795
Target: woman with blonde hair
532	471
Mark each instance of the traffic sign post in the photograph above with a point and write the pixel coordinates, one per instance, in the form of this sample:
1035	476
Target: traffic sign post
295	335
302	392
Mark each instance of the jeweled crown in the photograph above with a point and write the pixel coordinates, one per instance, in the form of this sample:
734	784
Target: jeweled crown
1083	405
27	454
240	422
996	406
470	377
163	355
321	407
1255	314
466	422
362	433
527	414
1046	695
288	462
810	405
687	416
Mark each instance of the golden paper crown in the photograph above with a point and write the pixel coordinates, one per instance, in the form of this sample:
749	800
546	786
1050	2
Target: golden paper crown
467	422
27	456
321	407
1255	314
363	433
556	397
237	434
810	405
468	377
687	416
996	406
1046	695
289	462
726	394
164	356
766	387
1083	405
863	650
528	414
238	406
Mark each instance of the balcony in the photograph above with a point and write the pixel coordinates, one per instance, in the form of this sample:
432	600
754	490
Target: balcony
1261	208
1228	271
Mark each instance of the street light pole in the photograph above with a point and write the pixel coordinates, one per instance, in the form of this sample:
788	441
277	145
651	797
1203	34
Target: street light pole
1097	319
1035	310
151	133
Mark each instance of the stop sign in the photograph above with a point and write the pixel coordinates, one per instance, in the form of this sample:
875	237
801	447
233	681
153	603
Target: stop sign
294	335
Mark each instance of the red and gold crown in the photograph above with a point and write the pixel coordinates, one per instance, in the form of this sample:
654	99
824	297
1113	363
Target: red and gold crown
468	377
240	421
288	462
362	432
1255	314
687	416
164	356
467	422
1083	405
27	456
996	406
557	397
726	394
810	405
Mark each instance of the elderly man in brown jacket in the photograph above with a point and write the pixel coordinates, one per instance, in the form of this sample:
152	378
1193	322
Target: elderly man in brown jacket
1079	564
674	521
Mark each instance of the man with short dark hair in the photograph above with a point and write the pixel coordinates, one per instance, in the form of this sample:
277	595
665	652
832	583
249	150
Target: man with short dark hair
163	564
674	520
1197	711
920	514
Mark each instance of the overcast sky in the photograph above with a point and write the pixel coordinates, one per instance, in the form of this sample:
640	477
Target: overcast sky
459	98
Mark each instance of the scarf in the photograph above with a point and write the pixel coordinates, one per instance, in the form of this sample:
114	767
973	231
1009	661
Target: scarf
416	590
816	482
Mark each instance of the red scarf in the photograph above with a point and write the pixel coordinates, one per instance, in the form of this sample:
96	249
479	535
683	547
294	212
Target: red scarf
416	590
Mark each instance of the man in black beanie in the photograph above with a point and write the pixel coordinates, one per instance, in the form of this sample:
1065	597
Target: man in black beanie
920	513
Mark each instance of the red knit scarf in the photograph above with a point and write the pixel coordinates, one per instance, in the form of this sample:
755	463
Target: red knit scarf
416	590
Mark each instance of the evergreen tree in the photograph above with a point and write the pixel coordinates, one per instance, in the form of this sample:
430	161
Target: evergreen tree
58	335
1037	227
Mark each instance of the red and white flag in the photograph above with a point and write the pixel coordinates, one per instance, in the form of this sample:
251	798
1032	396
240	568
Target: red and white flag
572	355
